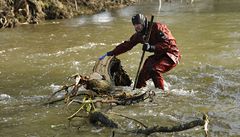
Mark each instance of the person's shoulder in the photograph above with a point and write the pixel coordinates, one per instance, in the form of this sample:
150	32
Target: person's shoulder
160	23
155	24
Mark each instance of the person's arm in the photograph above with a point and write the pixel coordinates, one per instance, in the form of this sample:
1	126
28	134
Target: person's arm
123	47
126	45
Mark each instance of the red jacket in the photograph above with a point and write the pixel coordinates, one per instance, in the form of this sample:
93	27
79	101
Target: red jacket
165	45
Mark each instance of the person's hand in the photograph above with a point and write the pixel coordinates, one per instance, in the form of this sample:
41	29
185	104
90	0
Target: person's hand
102	57
148	47
110	53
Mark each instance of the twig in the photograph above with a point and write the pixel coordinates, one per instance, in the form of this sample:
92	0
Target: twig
177	128
76	6
95	101
129	118
205	118
65	87
160	5
62	98
74	114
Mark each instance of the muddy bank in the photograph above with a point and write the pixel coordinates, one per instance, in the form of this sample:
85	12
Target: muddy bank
15	12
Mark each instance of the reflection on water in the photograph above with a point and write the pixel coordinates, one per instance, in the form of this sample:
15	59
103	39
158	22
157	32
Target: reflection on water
102	17
35	61
96	19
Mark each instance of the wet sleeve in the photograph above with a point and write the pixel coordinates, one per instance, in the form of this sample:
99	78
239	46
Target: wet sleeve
126	45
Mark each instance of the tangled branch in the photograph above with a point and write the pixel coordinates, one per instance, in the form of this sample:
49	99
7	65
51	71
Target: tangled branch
199	122
99	91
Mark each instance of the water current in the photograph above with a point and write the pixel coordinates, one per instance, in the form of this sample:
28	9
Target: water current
36	59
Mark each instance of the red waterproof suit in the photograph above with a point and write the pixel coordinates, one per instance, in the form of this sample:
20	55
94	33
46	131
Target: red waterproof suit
166	54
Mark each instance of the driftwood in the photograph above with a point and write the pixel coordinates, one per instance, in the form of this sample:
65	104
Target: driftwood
111	70
199	122
98	117
103	119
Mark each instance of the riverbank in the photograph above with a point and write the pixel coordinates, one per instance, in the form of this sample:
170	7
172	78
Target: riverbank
16	12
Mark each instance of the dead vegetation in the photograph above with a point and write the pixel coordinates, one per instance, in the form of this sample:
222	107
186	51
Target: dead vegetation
15	12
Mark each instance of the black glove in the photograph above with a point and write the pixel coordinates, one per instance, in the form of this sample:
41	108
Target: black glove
148	47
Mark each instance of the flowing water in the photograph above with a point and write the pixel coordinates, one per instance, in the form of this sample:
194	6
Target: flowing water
36	59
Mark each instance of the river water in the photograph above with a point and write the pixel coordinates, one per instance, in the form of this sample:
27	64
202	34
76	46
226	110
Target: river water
36	59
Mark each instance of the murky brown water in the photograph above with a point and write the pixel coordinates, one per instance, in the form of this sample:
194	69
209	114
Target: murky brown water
36	59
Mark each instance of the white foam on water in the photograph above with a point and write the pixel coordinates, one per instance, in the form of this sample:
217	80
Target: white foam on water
2	51
4	97
167	88
55	87
82	21
151	86
102	17
90	45
59	53
34	98
168	116
183	92
131	125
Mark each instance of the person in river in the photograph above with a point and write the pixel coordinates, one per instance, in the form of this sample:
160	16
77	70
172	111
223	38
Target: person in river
161	43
